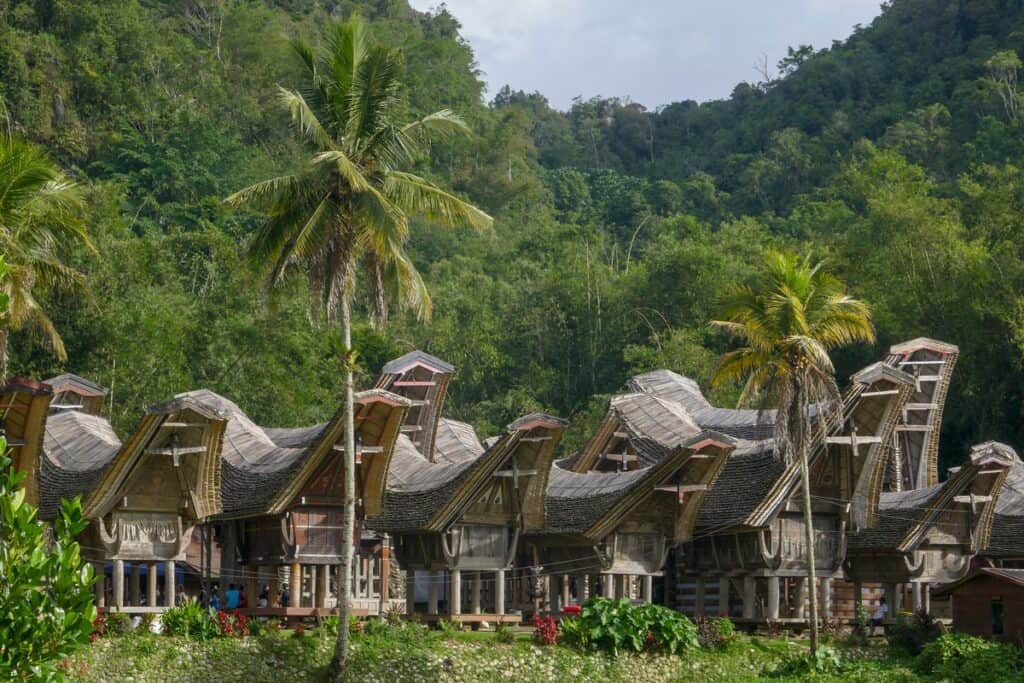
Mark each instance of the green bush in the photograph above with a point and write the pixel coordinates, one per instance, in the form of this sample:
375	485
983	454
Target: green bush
615	625
117	624
504	634
825	661
960	657
714	633
574	633
449	628
913	634
190	620
46	600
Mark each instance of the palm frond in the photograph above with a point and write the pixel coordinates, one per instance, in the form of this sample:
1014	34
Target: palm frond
419	196
307	120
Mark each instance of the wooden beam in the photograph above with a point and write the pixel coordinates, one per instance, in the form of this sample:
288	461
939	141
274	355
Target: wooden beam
921	406
176	451
972	498
880	392
413	383
682	488
846	440
620	457
535	439
410	428
923	362
914	428
183	425
366	450
620	435
515	473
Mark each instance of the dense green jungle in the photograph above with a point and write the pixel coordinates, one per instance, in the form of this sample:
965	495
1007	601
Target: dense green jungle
897	154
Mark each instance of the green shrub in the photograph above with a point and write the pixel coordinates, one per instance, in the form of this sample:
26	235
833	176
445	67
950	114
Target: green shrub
960	657
615	625
448	627
46	599
714	633
504	634
118	624
913	634
190	620
574	633
825	661
257	628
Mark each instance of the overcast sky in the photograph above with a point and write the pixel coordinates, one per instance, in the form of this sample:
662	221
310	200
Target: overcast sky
654	51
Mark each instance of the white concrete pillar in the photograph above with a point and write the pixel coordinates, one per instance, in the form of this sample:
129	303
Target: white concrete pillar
565	591
410	592
749	595
917	599
825	597
647	588
499	591
723	596
433	586
926	591
171	590
455	592
119	584
608	585
151	584
313	584
773	598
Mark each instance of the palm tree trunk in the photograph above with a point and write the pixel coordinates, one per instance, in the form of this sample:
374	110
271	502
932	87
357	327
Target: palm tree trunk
337	669
805	480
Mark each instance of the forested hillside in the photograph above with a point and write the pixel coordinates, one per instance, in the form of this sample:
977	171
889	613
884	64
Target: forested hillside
897	153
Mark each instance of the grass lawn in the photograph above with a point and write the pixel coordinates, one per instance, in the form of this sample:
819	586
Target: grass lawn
413	654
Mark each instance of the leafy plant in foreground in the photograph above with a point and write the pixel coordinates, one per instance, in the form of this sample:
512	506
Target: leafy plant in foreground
615	625
46	601
190	620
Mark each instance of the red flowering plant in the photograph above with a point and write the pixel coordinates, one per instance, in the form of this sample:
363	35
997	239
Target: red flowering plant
545	630
234	623
99	627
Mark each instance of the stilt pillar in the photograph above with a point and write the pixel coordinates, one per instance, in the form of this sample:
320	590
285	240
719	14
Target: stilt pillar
582	588
801	597
699	597
723	596
566	599
252	586
858	598
100	587
151	584
274	599
410	592
385	572
432	591
918	602
608	585
647	588
455	592
749	594
926	595
825	597
119	584
499	591
135	587
475	594
170	587
295	587
773	598
322	585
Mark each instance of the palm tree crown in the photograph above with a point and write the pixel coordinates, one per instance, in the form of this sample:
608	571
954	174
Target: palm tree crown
786	324
40	216
351	204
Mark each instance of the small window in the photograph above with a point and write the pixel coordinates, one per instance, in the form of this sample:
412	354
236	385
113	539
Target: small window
997	616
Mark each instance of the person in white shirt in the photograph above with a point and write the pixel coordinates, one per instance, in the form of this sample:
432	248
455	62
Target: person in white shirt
881	612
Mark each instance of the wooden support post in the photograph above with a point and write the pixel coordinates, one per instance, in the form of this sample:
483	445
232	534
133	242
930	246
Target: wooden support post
410	592
119	584
699	597
723	596
135	585
548	606
295	585
100	587
433	579
825	597
608	585
151	585
275	586
566	598
799	611
858	597
455	592
170	583
385	572
475	595
916	588
357	570
314	599
926	590
893	595
749	595
647	591
773	598
252	585
499	592
582	588
322	586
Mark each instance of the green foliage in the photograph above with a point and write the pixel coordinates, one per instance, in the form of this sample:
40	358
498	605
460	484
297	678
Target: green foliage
191	621
117	624
714	633
46	600
449	628
574	632
504	634
960	657
824	661
616	625
913	634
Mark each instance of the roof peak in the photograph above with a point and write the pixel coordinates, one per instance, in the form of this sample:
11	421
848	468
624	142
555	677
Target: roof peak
908	347
416	357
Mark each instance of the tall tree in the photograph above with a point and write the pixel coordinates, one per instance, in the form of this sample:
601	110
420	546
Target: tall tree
786	324
40	218
347	212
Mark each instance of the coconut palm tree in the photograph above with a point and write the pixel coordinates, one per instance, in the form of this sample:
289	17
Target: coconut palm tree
40	217
346	213
787	324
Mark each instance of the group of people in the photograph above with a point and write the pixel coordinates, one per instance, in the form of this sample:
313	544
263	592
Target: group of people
235	597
